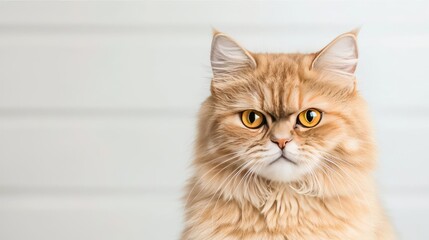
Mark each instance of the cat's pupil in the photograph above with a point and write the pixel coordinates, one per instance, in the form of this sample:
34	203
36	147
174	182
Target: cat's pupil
252	117
310	115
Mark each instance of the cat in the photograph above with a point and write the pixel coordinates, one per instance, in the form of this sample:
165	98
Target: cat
284	149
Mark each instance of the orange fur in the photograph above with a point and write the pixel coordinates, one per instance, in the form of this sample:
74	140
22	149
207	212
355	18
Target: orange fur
333	198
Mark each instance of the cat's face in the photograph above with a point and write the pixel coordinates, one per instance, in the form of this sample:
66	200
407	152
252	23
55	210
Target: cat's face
286	117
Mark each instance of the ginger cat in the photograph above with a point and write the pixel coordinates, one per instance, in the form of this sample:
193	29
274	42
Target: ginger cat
284	149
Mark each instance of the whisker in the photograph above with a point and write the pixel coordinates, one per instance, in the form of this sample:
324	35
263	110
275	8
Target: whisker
211	179
237	170
197	180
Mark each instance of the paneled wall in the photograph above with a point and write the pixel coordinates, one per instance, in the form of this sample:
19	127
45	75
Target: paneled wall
98	103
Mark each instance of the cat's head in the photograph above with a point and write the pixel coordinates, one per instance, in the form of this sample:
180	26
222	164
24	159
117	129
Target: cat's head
288	117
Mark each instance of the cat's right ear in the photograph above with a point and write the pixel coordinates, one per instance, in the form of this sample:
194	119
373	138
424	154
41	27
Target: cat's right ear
228	57
340	58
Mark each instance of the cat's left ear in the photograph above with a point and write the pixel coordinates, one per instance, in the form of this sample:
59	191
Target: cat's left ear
339	57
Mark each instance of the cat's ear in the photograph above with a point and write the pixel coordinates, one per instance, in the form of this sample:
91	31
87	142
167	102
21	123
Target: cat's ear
227	56
339	57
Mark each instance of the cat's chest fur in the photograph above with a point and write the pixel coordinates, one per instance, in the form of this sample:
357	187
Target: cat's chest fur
283	216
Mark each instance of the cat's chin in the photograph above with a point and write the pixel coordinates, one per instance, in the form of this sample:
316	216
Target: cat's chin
283	170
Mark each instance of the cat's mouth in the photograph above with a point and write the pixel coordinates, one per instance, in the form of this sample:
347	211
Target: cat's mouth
282	158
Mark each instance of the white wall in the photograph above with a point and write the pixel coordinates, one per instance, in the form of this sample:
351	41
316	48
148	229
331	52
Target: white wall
98	102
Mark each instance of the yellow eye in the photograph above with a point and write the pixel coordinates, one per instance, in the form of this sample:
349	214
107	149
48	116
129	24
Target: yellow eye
309	118
252	119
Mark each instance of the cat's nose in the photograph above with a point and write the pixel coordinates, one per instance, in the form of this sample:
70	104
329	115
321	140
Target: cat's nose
281	142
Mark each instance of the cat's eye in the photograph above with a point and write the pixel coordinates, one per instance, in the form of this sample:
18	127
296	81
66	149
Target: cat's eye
252	119
309	118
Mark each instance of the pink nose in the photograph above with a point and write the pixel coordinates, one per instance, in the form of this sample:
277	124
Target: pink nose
281	142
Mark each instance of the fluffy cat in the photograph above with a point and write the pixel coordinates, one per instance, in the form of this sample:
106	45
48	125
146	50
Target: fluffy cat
284	149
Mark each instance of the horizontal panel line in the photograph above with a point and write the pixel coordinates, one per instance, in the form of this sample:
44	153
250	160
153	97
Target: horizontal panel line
19	190
208	1
154	28
164	190
177	112
187	28
96	112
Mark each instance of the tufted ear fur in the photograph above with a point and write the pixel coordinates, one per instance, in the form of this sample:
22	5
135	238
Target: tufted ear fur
227	56
340	57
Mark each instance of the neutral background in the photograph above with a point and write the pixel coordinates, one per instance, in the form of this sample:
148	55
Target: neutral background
98	102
